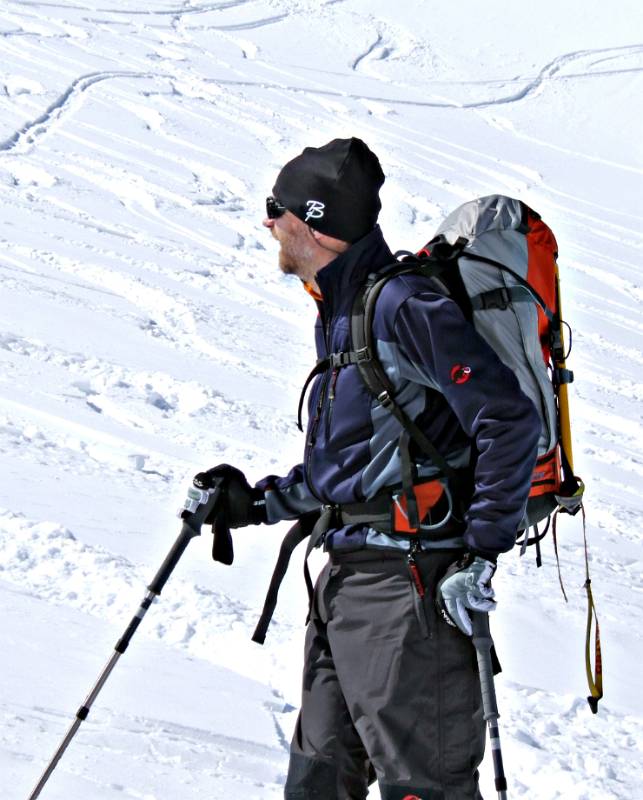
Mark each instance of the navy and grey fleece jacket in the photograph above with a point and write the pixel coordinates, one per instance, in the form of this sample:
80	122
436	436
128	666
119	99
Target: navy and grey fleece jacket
446	378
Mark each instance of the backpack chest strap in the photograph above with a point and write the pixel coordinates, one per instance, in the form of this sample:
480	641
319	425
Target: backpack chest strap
333	361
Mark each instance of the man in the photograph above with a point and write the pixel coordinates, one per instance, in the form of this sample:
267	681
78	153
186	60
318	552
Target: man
390	685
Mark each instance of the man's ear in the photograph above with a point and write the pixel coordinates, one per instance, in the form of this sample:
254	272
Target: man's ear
329	242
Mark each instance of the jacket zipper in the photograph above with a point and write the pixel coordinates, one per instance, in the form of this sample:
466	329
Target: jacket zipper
331	399
312	438
419	589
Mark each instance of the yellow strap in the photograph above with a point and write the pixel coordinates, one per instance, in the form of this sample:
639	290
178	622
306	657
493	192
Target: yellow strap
595	673
595	678
555	538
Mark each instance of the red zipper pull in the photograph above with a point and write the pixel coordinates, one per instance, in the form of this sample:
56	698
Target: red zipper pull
415	574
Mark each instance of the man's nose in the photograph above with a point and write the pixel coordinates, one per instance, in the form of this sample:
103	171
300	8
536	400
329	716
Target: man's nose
268	223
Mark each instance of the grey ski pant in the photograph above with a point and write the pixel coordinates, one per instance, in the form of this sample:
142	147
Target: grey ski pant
390	691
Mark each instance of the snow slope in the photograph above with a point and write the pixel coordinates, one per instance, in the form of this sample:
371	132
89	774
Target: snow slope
145	332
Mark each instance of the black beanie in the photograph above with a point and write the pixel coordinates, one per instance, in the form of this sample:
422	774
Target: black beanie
334	188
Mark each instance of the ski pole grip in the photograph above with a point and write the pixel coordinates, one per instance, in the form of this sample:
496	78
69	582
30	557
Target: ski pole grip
489	702
481	632
194	519
192	522
483	643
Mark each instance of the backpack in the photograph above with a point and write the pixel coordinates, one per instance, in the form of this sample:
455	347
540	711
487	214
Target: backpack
497	259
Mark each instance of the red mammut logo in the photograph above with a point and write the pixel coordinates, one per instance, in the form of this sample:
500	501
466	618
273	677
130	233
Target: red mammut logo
411	797
460	374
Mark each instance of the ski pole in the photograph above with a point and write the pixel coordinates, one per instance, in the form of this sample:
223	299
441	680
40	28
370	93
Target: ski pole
483	643
198	506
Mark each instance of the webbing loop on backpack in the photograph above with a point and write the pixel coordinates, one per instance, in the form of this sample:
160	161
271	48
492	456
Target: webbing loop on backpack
320	366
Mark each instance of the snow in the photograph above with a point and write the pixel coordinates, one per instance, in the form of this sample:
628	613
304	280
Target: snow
146	333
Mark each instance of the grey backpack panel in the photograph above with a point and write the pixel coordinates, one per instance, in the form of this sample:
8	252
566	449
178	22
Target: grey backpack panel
494	226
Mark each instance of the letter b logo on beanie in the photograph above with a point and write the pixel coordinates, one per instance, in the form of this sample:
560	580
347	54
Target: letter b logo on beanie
315	210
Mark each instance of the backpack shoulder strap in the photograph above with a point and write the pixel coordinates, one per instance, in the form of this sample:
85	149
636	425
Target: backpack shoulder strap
370	367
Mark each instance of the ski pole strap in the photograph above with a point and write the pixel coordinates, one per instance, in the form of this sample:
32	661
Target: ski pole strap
595	679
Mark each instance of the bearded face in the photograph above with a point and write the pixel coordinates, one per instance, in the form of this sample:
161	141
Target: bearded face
297	246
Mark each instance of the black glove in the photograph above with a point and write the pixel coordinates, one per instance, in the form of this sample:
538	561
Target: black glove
239	505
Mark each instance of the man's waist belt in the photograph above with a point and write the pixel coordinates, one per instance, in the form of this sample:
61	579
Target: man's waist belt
387	513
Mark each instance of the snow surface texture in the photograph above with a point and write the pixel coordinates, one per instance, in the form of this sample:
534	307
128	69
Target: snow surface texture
147	333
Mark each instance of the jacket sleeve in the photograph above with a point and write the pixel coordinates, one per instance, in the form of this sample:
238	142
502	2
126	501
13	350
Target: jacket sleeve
446	353
289	497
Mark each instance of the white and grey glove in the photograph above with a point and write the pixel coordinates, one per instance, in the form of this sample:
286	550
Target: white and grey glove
466	586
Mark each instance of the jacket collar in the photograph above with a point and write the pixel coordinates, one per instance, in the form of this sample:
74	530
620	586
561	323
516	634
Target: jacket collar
343	274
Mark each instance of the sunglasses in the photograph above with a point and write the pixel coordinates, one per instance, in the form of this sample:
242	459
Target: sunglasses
274	209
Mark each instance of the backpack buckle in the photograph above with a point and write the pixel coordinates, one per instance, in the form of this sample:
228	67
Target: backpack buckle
338	360
347	357
363	354
496	298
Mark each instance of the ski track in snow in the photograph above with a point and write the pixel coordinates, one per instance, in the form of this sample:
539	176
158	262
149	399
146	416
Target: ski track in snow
554	67
366	54
28	135
32	131
129	203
